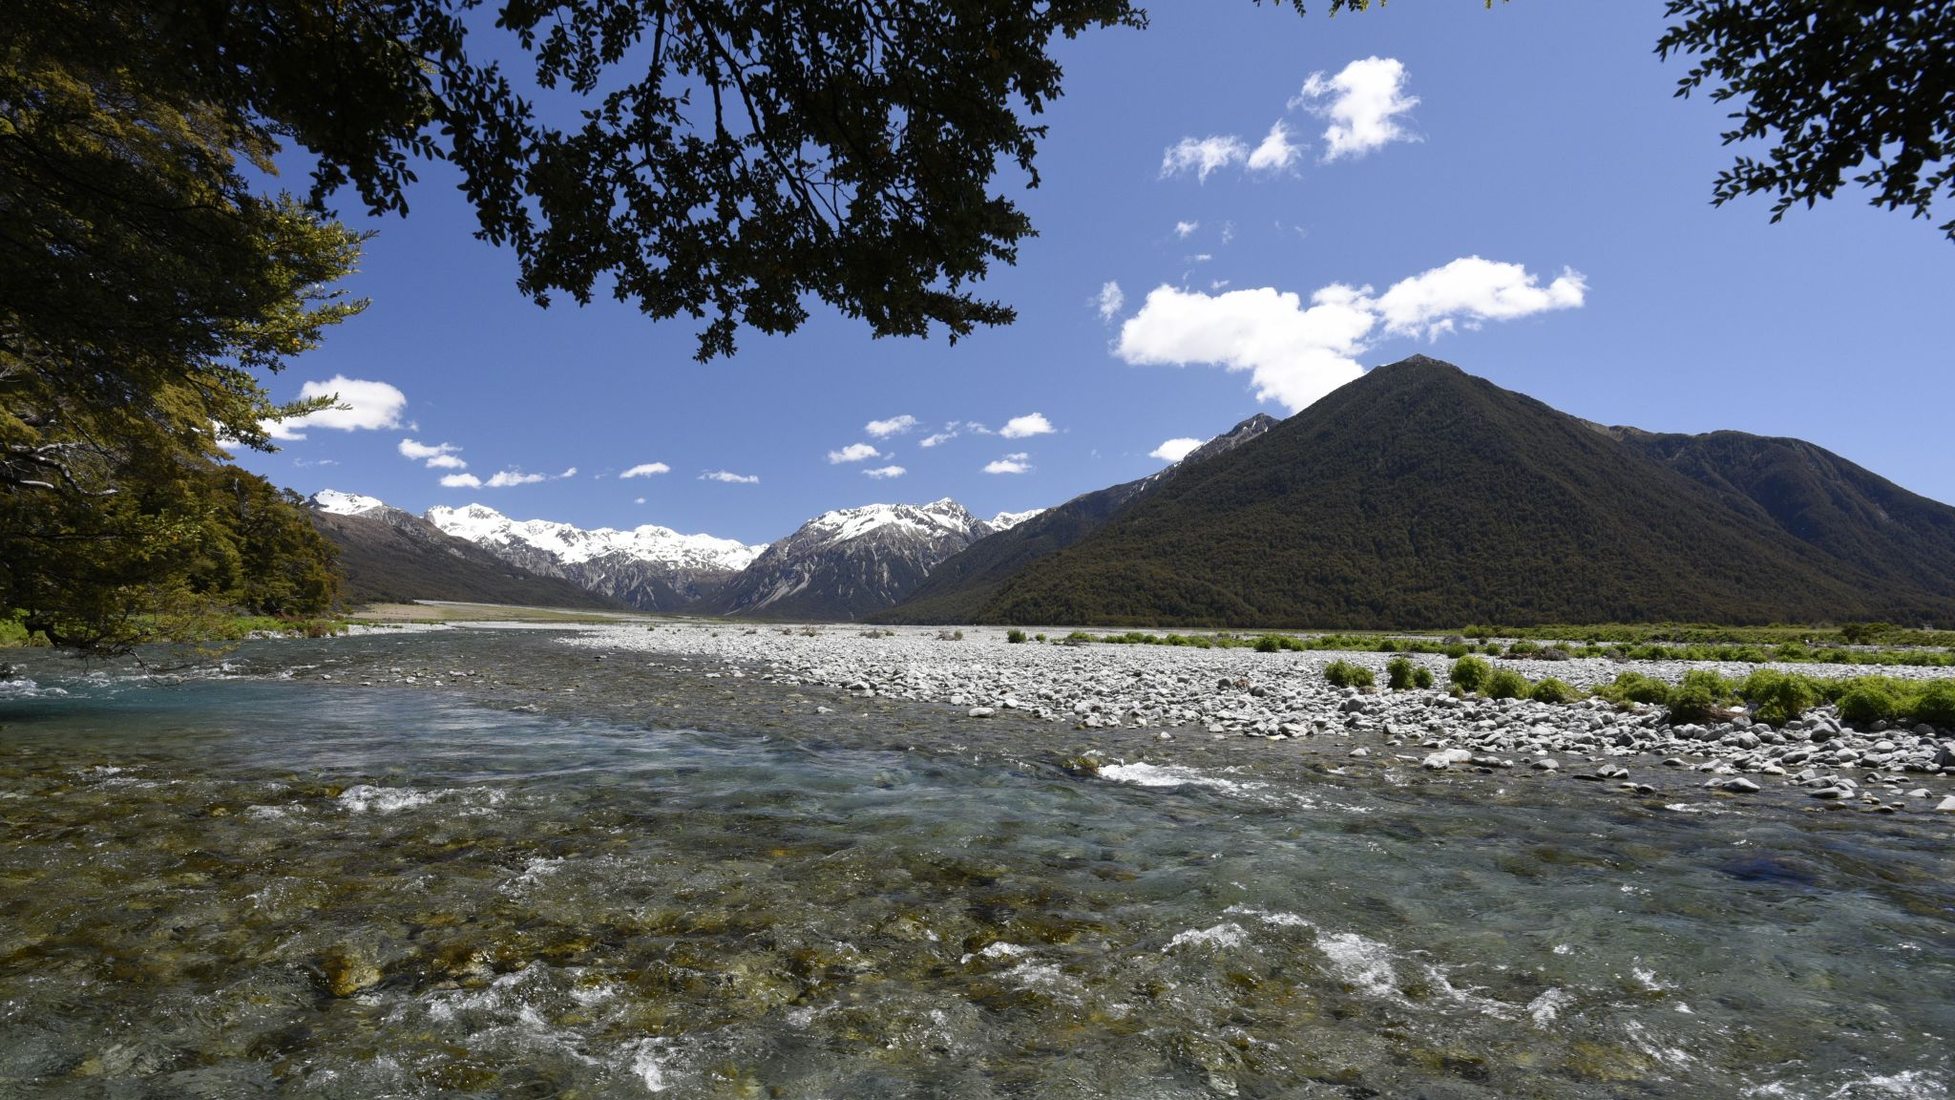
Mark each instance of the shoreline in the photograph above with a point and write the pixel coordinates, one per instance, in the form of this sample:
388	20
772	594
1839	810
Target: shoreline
1126	705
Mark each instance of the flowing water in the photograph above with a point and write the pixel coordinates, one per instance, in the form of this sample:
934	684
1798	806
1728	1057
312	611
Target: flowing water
239	885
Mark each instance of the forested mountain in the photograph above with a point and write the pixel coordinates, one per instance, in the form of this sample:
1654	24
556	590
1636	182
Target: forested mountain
1421	496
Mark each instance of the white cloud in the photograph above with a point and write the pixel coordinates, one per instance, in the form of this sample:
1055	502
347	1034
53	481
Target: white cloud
503	479
1296	354
1277	151
854	452
1203	155
1024	427
416	450
881	473
895	425
1365	101
1174	450
730	478
938	438
638	500
359	404
1112	299
974	426
647	469
446	462
1476	289
1182	229
461	481
1019	463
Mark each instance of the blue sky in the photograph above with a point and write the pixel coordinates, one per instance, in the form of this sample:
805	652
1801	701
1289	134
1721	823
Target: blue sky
1540	216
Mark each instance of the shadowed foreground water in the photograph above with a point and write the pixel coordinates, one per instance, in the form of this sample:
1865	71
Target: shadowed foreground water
233	887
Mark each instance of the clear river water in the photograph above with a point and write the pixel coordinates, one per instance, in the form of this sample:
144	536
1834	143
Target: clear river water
252	883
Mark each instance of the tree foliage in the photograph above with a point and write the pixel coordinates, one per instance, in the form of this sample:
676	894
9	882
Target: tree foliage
1859	90
144	287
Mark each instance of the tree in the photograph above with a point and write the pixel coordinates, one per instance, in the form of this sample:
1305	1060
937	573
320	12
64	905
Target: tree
1859	89
143	288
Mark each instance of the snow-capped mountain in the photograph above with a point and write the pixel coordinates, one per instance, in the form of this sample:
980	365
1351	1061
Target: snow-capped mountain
335	503
650	567
1005	521
850	562
387	554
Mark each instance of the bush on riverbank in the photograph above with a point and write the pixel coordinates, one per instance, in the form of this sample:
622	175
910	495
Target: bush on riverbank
1344	674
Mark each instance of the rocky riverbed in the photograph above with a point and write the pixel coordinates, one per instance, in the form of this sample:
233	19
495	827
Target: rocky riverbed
1183	692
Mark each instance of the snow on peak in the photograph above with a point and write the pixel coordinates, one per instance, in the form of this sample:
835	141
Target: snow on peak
938	517
572	545
345	504
1004	521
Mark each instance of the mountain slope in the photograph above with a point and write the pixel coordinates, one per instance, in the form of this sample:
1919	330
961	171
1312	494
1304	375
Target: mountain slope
1818	498
387	555
1420	496
650	568
963	584
846	564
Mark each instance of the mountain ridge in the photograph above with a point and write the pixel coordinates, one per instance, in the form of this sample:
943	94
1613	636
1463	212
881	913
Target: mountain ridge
1420	495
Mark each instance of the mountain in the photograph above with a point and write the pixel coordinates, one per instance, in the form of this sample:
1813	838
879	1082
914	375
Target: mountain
848	563
387	555
1819	498
958	588
649	568
1418	495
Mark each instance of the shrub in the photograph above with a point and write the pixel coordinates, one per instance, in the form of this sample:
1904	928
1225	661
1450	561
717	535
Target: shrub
1523	649
1040	637
1699	696
1422	677
1015	636
1552	690
1345	674
1634	687
1398	673
1456	650
1491	649
1470	673
1268	644
1505	683
1779	697
1870	699
1936	705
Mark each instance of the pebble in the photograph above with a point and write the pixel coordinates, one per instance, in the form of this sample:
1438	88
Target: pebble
1283	696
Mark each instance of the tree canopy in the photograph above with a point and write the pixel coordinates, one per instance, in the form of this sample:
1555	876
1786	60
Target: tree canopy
1859	91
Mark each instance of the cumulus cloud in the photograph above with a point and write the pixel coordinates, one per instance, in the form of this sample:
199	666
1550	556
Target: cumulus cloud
854	452
1112	300
1019	463
358	404
1182	229
1174	450
460	481
1203	155
938	438
1296	354
1476	291
730	478
882	473
1363	103
895	425
416	450
1024	427
503	479
1276	152
647	469
446	462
